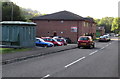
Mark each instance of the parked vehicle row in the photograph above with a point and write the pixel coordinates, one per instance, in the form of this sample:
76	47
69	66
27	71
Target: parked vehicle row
42	43
50	41
83	41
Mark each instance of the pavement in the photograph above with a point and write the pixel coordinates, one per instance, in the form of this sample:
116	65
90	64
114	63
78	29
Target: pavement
35	52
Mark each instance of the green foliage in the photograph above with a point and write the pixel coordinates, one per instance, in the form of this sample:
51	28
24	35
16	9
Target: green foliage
97	21
29	13
106	22
11	11
116	25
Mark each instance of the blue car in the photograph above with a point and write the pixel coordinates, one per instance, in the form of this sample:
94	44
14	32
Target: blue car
42	43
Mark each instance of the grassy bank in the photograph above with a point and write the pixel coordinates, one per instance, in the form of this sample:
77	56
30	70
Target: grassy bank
12	50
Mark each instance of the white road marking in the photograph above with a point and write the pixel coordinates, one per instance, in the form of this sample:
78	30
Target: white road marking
93	52
74	62
46	76
102	48
107	45
110	43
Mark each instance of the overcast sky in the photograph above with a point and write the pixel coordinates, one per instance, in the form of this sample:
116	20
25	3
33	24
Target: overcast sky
93	8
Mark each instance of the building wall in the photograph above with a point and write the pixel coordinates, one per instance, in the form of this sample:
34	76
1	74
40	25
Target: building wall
62	28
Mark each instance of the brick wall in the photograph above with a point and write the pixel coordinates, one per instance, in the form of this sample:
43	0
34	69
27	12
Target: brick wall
62	28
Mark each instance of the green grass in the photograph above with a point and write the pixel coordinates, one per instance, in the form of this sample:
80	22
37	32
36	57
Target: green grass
12	50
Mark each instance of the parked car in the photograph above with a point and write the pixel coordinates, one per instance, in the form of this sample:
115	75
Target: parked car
104	38
42	43
116	35
68	40
62	40
57	37
86	41
108	34
52	40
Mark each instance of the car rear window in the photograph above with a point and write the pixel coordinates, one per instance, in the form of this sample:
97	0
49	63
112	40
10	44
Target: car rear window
59	40
84	38
47	39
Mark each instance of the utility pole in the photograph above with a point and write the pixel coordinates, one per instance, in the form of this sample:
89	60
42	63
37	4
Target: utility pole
11	5
12	12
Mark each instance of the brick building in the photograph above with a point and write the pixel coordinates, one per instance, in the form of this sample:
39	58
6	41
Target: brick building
65	24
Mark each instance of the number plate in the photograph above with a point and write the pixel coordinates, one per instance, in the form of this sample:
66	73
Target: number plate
83	43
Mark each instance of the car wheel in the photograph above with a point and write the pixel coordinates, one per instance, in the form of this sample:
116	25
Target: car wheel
93	46
90	46
78	46
45	46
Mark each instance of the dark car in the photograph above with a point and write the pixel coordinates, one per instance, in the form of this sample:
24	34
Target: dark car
86	41
104	38
42	43
68	40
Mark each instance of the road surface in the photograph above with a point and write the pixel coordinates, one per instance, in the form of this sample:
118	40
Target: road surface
101	61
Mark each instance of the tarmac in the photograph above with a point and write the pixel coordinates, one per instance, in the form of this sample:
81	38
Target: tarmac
35	52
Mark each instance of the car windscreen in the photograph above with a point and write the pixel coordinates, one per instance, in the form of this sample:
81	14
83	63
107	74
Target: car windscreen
40	40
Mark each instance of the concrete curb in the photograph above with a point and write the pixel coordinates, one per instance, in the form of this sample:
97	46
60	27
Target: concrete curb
32	56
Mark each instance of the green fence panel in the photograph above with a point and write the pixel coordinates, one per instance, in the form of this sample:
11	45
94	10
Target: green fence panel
21	32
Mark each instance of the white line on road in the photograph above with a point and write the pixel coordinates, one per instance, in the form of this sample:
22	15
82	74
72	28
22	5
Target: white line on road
110	43
93	52
74	62
46	76
107	45
102	48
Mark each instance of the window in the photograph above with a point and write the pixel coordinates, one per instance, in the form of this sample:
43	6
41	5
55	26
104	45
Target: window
84	24
87	24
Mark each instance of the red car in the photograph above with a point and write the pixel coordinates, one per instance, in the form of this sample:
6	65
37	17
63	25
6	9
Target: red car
86	41
54	41
63	41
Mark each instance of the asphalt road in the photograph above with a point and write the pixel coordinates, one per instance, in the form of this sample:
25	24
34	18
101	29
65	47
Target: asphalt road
99	62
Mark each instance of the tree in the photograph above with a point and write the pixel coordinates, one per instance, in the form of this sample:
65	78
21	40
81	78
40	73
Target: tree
29	13
97	21
106	22
116	25
11	11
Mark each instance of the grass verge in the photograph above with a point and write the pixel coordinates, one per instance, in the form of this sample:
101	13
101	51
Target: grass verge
12	50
